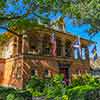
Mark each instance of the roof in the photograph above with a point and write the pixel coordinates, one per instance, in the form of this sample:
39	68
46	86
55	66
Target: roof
66	35
61	34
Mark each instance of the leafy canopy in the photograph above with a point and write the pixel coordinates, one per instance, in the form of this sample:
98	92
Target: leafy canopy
25	12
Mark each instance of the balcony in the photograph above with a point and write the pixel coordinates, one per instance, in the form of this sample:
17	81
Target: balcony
47	57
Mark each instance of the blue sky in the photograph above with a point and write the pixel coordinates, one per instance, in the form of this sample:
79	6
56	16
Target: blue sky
76	30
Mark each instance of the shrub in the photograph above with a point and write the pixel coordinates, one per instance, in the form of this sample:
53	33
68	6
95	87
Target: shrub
10	96
65	97
55	88
85	79
35	86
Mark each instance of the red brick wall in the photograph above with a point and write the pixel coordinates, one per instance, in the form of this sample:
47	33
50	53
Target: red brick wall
40	65
10	73
2	68
79	66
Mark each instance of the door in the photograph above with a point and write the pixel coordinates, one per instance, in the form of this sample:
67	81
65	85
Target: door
65	72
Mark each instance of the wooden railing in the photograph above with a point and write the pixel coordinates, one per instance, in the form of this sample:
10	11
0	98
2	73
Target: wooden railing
48	57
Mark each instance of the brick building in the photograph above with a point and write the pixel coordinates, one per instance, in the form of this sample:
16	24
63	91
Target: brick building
30	55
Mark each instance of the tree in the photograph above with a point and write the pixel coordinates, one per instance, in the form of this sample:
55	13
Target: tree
27	11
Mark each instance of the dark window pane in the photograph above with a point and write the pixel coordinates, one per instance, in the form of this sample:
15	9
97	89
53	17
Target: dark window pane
46	73
33	72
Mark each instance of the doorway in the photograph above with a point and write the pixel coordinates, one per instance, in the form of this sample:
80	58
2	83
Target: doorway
66	73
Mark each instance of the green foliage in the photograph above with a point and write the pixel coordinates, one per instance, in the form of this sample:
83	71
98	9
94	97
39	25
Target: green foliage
10	96
53	88
19	98
86	11
65	97
81	85
35	86
14	96
78	92
85	79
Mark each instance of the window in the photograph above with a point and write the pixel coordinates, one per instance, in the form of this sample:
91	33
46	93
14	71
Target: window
34	72
47	51
33	45
46	46
76	54
68	48
46	73
59	51
83	54
59	47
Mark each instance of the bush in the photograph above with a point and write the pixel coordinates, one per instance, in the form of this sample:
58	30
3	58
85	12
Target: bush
54	89
35	86
13	94
85	79
10	96
81	85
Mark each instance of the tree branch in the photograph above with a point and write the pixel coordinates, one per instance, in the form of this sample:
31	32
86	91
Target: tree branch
10	18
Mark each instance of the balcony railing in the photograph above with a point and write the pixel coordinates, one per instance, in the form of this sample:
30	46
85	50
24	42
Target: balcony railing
47	57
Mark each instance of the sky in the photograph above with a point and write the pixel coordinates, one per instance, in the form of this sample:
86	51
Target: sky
76	30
